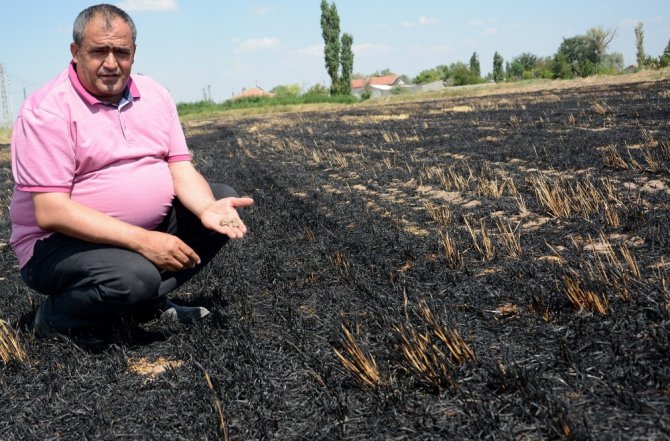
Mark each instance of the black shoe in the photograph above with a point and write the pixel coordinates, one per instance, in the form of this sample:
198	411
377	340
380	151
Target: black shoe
184	314
85	339
90	341
42	328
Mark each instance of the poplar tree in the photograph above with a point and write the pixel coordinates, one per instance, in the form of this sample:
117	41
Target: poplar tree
338	52
475	69
330	29
639	45
498	73
347	60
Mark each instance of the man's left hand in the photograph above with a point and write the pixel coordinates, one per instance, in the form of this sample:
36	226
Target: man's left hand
222	216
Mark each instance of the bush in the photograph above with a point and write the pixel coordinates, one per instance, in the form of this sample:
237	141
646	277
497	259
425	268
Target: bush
290	90
318	89
460	74
428	76
586	68
560	68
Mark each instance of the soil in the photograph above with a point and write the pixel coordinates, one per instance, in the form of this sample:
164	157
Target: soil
494	267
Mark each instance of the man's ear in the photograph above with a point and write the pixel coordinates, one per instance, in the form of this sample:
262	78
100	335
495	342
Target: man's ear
73	50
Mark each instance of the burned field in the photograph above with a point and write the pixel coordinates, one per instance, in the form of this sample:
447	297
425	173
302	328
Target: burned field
462	268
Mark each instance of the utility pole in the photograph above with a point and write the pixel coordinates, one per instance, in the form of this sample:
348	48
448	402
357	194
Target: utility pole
207	93
6	119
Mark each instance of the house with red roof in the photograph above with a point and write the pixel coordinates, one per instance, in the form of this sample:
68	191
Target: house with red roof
376	86
254	91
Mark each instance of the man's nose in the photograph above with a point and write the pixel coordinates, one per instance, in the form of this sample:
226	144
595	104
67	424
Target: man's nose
110	61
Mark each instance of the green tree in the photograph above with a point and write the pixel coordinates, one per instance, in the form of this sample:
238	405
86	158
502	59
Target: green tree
515	70
460	73
441	72
575	49
446	71
527	66
543	68
599	39
347	61
527	61
318	89
611	63
498	74
587	68
428	76
475	69
639	45
330	30
339	55
664	59
581	53
289	90
584	54
561	67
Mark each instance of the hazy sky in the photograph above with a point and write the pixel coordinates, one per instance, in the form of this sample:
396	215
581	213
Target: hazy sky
189	45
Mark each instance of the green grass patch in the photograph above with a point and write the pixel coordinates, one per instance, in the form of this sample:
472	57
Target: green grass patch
261	103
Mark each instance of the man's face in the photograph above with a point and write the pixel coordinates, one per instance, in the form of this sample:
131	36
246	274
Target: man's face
105	58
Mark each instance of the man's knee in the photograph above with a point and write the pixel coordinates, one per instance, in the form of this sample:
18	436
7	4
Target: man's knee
135	281
221	191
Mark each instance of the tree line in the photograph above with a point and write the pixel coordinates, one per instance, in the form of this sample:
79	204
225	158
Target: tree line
578	56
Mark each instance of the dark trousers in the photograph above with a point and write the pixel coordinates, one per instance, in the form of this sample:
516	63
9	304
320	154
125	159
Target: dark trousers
90	284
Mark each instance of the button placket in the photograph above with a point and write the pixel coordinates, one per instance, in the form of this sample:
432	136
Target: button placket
122	122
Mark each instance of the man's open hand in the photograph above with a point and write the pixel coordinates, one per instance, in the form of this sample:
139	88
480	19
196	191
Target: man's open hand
222	217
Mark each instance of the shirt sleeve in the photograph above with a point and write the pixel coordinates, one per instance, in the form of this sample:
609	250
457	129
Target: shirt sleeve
43	158
178	148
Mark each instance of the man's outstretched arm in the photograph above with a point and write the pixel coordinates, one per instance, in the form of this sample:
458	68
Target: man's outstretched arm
195	194
57	212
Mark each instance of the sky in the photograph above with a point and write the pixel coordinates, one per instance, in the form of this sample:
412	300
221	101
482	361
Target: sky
215	48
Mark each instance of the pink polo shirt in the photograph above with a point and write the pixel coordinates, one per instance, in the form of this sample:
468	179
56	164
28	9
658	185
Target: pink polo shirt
112	159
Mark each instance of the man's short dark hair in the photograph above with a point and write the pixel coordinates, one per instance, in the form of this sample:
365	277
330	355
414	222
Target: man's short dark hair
108	12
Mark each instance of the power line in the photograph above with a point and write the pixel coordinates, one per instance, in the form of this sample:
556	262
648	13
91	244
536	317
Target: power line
4	99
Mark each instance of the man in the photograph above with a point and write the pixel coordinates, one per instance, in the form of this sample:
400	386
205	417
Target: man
108	213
